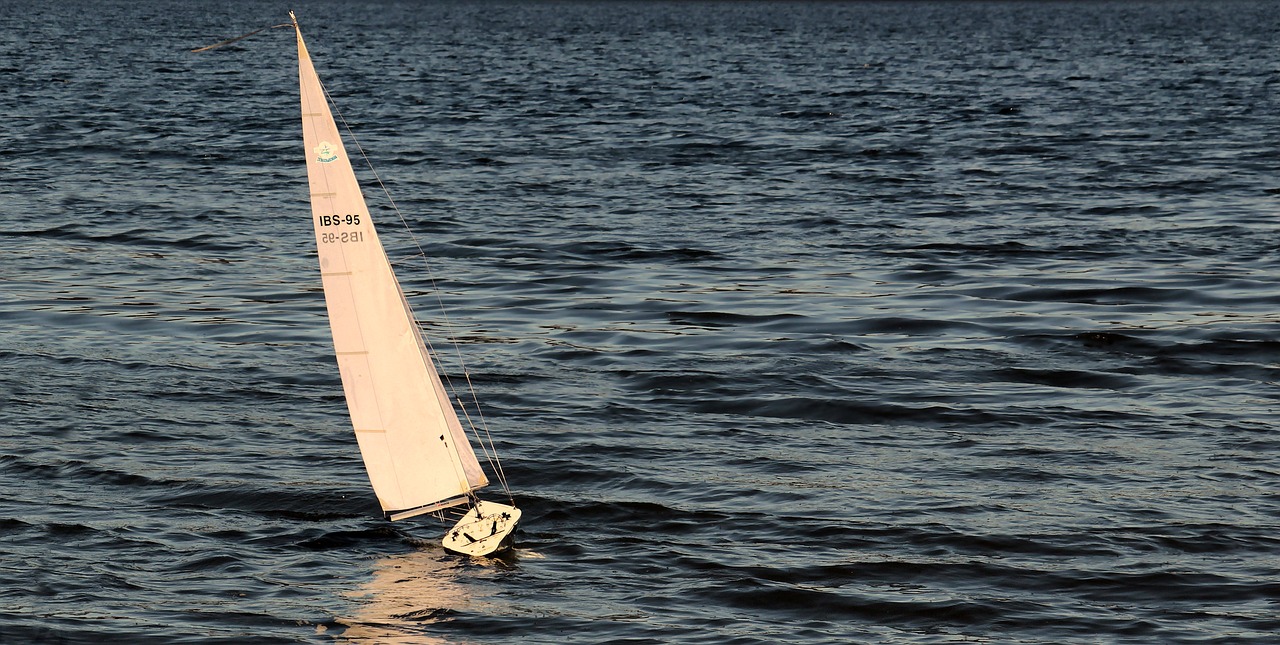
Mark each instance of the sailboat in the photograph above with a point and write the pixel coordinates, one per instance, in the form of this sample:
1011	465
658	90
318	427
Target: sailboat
416	452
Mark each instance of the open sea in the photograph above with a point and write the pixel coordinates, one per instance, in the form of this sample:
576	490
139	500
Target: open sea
794	322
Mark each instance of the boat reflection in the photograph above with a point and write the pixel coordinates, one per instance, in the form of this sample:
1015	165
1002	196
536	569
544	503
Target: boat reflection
410	592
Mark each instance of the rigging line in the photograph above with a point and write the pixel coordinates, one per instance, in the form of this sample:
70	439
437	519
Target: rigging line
484	426
406	259
448	324
238	38
488	457
494	462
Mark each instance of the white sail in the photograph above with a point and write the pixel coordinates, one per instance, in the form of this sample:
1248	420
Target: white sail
415	451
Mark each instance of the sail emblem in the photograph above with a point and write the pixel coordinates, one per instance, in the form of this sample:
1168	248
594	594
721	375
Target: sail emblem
326	152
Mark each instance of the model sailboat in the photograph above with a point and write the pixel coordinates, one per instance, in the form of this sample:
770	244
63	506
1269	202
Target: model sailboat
418	456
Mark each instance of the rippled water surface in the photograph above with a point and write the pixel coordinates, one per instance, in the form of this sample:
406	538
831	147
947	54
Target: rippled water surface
894	322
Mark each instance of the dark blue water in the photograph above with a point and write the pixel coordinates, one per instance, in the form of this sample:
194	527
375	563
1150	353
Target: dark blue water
893	322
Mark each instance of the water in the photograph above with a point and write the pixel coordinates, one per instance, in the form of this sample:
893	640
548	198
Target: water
796	322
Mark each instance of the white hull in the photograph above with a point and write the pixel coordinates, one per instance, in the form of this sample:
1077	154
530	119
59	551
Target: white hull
487	528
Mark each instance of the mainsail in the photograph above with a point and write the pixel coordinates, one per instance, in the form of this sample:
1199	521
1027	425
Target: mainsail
415	450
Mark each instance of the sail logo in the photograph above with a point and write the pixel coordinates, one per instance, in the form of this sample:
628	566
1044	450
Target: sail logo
326	152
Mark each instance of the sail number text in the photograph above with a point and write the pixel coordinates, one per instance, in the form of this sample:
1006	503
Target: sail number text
326	237
339	220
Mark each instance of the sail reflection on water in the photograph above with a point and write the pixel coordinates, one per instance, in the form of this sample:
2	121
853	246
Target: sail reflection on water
407	593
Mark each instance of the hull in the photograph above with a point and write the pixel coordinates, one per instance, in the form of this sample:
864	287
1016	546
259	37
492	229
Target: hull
487	528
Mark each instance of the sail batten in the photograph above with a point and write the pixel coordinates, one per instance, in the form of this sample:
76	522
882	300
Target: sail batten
414	448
